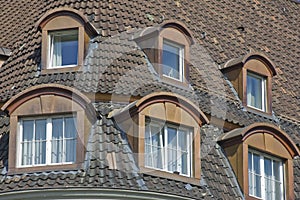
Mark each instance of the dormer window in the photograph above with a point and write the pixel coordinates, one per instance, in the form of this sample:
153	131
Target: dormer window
164	134
261	156
251	77
167	48
65	37
63	48
256	91
173	60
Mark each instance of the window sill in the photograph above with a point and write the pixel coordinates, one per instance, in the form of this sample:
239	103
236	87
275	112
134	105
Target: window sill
44	168
61	70
175	82
266	114
252	198
168	175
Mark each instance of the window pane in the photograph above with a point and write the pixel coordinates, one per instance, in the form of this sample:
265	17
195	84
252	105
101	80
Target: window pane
57	140
278	182
64	47
172	149
27	142
70	128
153	147
257	175
28	130
171	61
70	137
255	91
268	178
183	143
40	141
70	145
276	169
250	173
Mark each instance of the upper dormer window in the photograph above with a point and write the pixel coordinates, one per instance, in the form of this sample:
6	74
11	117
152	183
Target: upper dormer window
65	36
63	48
167	48
251	76
256	91
173	60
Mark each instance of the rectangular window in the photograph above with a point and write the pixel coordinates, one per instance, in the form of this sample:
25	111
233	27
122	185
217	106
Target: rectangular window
173	60
45	141
63	48
265	174
256	91
169	148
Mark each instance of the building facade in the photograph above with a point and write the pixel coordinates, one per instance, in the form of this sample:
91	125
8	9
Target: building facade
149	99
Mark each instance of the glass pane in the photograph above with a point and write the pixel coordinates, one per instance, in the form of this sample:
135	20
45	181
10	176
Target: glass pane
28	130
40	152
172	149
57	151
171	61
40	129
268	178
64	47
254	91
70	145
57	140
57	128
27	153
278	190
183	140
276	169
70	128
184	163
250	173
27	142
257	176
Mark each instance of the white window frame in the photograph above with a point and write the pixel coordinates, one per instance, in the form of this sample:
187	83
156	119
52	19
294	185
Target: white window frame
50	49
263	82
262	157
164	148
181	59
48	140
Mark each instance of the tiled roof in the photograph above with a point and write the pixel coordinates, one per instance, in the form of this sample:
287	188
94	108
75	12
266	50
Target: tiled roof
222	30
231	29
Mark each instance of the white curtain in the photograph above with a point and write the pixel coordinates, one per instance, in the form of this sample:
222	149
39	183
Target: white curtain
55	50
70	140
57	140
40	141
27	140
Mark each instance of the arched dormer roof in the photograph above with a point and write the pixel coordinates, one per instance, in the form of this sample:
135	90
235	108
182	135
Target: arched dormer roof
240	135
156	30
75	14
251	56
162	97
51	89
180	27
